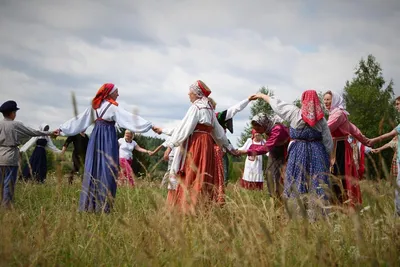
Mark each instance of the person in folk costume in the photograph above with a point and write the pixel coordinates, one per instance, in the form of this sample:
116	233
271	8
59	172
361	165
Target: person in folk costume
342	161
36	168
11	133
101	164
126	146
276	145
393	145
307	170
395	132
80	142
197	132
253	174
225	119
359	152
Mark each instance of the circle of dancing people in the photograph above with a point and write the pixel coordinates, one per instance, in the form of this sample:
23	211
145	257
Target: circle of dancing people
312	159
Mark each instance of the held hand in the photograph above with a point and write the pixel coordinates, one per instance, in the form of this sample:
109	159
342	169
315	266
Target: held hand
151	153
253	97
157	130
166	153
241	152
375	151
55	132
371	142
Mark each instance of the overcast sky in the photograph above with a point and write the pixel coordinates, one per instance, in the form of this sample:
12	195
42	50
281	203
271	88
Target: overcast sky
153	50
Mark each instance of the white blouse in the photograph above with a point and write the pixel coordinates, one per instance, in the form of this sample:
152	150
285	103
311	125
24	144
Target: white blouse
50	145
114	113
292	114
125	148
198	113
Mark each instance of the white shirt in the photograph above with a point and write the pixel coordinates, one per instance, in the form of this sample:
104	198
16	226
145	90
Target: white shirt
198	113
115	113
125	148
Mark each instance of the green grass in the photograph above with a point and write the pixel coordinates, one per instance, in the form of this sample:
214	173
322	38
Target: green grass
45	229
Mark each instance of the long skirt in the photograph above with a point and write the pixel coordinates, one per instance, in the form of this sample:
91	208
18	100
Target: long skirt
307	171
347	175
101	169
37	167
199	182
219	172
126	175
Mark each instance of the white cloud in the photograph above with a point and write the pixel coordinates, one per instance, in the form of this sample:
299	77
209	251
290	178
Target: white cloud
153	50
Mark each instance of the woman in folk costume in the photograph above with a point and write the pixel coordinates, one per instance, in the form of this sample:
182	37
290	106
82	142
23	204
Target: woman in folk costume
101	164
126	146
197	132
253	175
393	145
225	119
276	146
307	170
36	168
342	160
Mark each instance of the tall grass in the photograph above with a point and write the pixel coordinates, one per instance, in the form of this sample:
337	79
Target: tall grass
45	229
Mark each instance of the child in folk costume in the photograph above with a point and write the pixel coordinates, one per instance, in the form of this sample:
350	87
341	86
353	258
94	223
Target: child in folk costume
126	146
253	175
36	168
342	160
393	145
225	119
197	132
307	170
11	133
276	145
101	164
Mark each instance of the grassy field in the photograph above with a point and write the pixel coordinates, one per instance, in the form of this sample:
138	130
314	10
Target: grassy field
45	229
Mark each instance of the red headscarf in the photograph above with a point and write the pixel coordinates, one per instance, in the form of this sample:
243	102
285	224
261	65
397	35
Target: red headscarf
103	94
311	110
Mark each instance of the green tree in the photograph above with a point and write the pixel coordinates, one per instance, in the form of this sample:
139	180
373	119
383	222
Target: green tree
257	106
370	102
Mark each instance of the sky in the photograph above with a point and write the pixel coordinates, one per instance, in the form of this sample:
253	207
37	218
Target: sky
153	50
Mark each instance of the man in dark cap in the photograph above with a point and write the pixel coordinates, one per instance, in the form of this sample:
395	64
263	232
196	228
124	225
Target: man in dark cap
11	132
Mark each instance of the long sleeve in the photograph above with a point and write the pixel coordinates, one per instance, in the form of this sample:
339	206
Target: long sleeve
185	128
69	140
219	136
28	144
77	124
326	135
354	131
131	121
336	120
231	112
24	131
287	112
246	145
168	131
50	145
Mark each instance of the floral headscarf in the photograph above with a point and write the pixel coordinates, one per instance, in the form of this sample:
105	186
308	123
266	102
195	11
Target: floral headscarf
311	110
266	121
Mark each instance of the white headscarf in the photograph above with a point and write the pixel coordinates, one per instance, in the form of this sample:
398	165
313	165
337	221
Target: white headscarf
195	88
267	121
337	103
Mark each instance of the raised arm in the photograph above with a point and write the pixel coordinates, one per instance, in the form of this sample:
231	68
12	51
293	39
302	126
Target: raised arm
287	112
77	124
232	111
131	121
